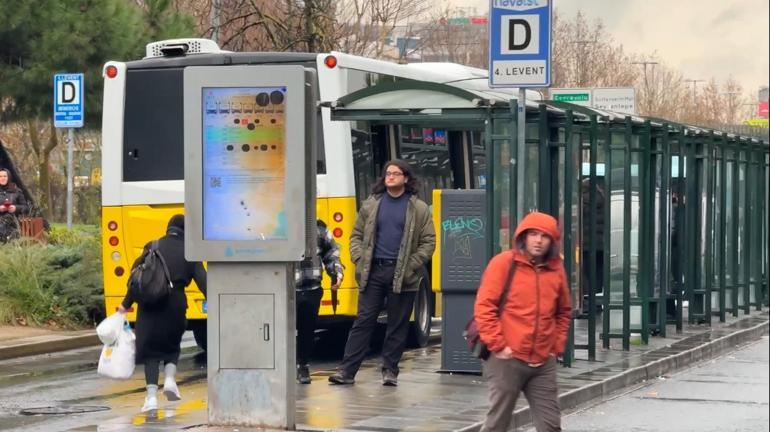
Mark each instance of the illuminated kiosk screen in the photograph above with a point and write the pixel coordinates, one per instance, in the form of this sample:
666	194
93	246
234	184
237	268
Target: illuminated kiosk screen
244	175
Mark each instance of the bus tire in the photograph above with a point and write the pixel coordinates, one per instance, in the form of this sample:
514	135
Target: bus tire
419	329
198	328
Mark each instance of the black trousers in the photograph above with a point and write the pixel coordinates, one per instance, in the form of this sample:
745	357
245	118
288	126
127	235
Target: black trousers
370	303
152	370
308	304
586	264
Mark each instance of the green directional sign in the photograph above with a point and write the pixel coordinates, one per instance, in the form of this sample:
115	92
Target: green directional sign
459	21
572	97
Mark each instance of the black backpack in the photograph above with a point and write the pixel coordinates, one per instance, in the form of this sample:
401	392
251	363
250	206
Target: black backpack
150	281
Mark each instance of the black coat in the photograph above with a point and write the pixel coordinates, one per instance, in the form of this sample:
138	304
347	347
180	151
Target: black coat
15	196
8	221
159	327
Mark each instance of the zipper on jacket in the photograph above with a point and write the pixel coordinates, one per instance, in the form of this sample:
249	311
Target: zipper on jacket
537	311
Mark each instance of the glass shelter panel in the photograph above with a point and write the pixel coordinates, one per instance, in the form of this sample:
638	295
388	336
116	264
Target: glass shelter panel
740	240
730	246
502	182
635	220
718	241
617	226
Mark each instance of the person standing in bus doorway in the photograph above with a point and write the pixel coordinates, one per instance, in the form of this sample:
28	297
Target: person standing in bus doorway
308	288
393	238
159	326
12	204
530	330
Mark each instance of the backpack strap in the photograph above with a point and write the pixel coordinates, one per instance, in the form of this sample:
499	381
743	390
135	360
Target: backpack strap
508	283
154	247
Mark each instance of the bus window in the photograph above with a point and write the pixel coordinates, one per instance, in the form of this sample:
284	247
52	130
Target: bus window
430	160
479	165
153	137
320	148
364	170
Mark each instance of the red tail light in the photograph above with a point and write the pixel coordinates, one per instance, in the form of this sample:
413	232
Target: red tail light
330	61
114	241
337	232
111	71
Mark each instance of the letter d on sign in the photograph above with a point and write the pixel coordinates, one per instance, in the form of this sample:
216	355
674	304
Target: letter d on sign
512	45
68	93
520	34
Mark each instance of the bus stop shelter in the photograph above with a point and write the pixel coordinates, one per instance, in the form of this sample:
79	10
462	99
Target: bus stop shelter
636	199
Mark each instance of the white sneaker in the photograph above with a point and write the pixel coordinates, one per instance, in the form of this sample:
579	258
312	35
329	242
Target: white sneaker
171	390
150	403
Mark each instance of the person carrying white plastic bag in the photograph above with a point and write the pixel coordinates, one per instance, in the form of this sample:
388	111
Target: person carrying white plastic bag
117	358
109	329
160	322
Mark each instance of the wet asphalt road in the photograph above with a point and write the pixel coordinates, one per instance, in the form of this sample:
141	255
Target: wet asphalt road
726	394
69	379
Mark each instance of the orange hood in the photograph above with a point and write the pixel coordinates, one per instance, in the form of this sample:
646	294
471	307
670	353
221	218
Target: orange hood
542	222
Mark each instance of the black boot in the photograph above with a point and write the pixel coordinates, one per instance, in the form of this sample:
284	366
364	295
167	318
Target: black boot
303	374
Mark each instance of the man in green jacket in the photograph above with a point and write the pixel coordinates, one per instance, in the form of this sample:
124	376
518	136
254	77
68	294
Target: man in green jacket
392	240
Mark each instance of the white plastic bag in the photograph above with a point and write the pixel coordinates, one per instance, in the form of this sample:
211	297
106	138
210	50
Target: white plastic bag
117	359
109	329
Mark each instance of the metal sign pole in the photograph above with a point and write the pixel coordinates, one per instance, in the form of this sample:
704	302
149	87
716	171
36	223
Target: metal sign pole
70	144
521	153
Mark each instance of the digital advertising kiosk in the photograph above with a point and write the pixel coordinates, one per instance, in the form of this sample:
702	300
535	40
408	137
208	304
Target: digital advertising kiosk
250	214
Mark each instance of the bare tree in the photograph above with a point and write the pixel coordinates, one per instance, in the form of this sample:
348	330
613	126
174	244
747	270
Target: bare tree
585	55
464	43
363	26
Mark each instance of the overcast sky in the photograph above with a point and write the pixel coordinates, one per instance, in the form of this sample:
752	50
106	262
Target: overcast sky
701	38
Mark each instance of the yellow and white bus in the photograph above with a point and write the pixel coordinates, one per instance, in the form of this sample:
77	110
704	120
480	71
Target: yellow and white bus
142	165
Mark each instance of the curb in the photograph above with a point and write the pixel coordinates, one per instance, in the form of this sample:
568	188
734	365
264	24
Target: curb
49	346
655	369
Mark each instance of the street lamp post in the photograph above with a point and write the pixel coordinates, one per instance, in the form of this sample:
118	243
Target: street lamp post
581	79
694	84
731	108
694	96
647	95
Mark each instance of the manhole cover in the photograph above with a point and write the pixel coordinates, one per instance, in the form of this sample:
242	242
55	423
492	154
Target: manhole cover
63	409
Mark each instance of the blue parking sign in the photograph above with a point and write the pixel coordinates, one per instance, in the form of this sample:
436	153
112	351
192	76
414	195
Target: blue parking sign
520	43
68	101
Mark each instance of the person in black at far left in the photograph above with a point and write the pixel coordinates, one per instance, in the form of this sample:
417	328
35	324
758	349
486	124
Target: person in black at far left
159	326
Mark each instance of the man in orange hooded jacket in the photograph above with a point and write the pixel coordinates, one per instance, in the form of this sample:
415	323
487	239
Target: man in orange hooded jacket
530	331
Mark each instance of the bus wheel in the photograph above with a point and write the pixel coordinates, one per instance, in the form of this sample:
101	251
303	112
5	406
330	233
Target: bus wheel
198	328
419	329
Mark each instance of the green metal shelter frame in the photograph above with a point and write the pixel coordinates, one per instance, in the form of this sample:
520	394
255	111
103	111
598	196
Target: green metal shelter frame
682	211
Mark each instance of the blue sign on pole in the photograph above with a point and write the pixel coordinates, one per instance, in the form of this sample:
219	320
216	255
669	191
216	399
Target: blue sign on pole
520	43
68	101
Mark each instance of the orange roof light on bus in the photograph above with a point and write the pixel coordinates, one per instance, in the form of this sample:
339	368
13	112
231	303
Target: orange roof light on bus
330	61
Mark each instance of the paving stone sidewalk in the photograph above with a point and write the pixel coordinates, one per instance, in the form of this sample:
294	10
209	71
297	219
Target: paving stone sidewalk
426	400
